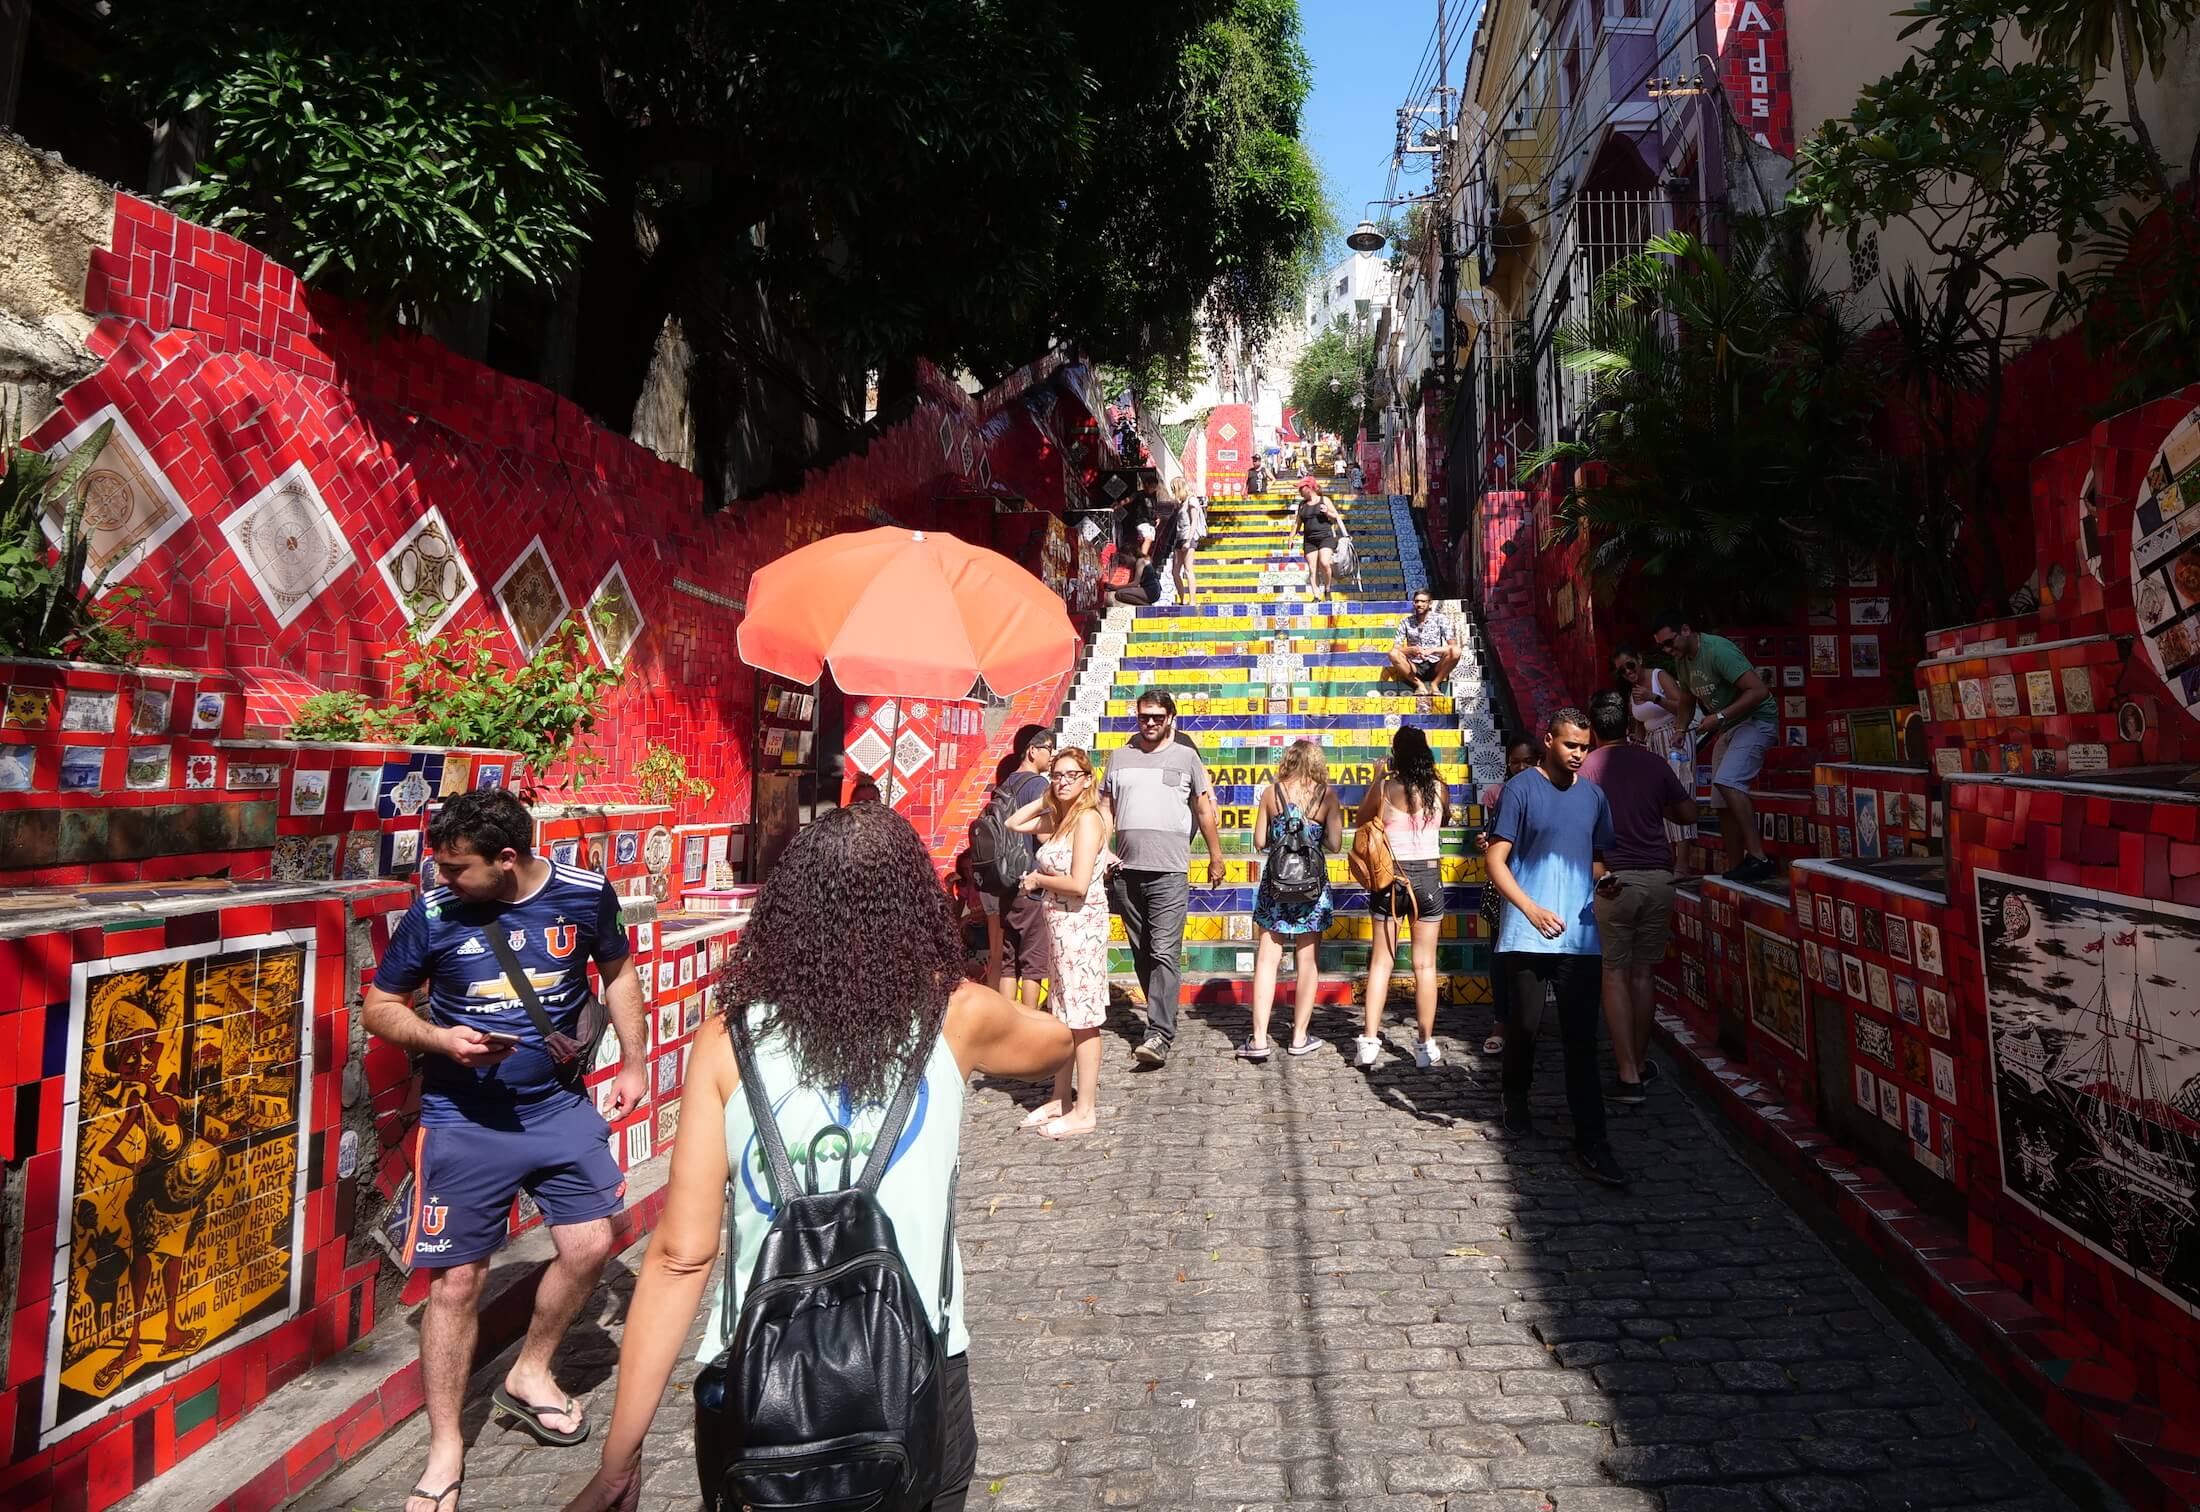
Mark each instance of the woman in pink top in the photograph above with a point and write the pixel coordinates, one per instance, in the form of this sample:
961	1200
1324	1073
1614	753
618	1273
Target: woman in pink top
1409	793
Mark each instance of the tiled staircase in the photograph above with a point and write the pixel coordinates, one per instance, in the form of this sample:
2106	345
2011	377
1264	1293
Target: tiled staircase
1254	665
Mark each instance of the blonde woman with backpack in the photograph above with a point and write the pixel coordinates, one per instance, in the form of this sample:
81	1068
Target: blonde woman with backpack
1407	794
1297	822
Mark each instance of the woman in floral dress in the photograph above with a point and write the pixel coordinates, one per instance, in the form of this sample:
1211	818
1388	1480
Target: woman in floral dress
1300	795
1068	873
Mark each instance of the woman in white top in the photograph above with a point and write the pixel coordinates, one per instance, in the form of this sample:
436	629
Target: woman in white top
1191	529
850	959
1409	793
1666	711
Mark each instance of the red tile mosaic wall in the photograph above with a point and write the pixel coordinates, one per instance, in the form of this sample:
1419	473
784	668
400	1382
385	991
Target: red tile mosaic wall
1757	990
282	473
172	1069
1870	811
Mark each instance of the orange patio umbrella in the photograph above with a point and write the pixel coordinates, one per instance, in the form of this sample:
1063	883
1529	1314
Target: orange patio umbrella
907	613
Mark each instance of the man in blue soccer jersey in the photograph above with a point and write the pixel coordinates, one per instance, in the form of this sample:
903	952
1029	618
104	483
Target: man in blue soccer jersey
498	1111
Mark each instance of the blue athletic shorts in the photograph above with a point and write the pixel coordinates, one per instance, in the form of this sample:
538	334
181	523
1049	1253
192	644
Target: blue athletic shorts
466	1174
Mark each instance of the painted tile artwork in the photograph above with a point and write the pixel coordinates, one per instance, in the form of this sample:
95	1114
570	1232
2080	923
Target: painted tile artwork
290	544
532	598
614	618
129	505
1775	987
427	574
2165	562
2097	1068
185	1202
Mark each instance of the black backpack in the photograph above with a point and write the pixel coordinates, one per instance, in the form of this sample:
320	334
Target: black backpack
1298	866
999	856
828	1393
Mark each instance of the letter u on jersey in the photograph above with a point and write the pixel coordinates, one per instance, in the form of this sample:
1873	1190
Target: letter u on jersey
559	940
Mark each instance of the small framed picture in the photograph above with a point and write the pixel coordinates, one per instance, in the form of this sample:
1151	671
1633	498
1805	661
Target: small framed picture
1870	611
1864	656
1792	677
1795	705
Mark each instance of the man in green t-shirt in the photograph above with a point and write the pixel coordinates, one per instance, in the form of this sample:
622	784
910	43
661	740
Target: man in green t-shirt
1735	707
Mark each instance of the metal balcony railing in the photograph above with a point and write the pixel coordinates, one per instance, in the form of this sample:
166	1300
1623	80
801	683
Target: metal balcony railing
1599	230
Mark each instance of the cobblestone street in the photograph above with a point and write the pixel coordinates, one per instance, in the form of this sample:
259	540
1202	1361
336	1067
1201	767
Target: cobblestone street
1292	1285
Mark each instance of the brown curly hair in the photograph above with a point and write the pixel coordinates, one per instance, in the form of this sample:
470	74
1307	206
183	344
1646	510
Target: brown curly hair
854	946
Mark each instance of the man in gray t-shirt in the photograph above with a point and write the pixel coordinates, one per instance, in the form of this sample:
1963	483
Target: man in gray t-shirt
1154	790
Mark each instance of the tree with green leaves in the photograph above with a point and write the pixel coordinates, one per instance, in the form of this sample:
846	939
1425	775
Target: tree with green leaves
711	224
1979	155
1729	419
1331	378
2091	34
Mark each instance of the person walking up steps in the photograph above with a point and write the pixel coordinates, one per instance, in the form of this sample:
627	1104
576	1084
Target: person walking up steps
1154	791
1297	822
1408	792
1550	827
1067	876
1634	904
1735	712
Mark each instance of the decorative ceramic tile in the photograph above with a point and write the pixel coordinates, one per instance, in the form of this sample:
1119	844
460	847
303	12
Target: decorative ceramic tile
362	856
225	1153
149	710
404	850
309	792
410	795
199	771
88	712
362	787
490	775
427	574
614	616
253	775
30	708
290	544
129	505
81	767
565	852
304	858
627	846
206	710
531	597
18	768
147	769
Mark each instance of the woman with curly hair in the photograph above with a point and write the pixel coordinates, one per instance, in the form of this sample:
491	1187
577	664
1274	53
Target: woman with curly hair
850	967
1300	800
1067	874
1409	793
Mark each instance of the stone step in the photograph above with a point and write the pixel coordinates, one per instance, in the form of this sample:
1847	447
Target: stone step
1452	957
1410	707
1243	872
1454	991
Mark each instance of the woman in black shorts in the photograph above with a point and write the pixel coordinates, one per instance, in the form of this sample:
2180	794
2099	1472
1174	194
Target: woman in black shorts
1319	524
1409	793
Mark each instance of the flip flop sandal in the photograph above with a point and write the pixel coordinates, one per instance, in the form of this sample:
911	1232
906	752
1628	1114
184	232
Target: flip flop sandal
435	1496
1494	1045
1302	1047
1035	1117
527	1416
1054	1130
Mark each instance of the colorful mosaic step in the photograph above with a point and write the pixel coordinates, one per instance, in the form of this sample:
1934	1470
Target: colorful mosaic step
1453	957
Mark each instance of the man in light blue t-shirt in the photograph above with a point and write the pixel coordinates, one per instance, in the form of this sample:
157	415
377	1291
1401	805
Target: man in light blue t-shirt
1551	823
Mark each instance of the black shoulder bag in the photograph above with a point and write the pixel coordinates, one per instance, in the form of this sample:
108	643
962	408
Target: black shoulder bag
577	1049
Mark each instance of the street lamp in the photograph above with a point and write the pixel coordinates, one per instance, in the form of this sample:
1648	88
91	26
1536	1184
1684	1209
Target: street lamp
1365	239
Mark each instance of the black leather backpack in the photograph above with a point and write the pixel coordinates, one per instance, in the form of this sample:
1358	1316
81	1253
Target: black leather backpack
828	1393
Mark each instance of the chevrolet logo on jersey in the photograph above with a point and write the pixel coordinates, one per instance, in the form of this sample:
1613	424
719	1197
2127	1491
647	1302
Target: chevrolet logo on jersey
500	986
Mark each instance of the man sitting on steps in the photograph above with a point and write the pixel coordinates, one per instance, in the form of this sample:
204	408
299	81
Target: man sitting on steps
1427	647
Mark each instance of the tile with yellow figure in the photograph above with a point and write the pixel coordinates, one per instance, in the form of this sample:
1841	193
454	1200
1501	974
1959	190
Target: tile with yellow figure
185	1205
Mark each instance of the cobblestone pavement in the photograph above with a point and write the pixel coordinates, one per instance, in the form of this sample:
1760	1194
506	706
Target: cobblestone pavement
1295	1285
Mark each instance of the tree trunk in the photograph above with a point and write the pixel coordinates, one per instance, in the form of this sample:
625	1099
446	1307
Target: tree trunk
2125	47
664	416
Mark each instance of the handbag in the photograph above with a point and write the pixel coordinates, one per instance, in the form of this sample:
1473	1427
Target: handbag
568	1050
1375	868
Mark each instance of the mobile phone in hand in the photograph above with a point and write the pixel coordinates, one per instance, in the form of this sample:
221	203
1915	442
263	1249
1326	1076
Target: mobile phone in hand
500	1039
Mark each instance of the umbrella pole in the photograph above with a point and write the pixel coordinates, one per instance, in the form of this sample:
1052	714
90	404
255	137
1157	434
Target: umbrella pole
893	744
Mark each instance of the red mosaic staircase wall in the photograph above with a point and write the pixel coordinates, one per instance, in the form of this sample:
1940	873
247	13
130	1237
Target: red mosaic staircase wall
280	467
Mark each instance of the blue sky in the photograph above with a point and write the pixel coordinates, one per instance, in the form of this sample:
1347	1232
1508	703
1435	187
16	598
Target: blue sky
1365	55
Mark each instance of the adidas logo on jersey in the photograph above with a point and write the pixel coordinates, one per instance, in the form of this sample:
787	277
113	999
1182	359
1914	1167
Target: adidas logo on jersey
473	946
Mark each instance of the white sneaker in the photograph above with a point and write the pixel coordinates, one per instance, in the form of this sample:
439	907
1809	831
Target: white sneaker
1428	1053
1368	1051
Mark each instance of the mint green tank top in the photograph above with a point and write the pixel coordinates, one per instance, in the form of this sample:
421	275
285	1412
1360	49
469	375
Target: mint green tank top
915	1193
